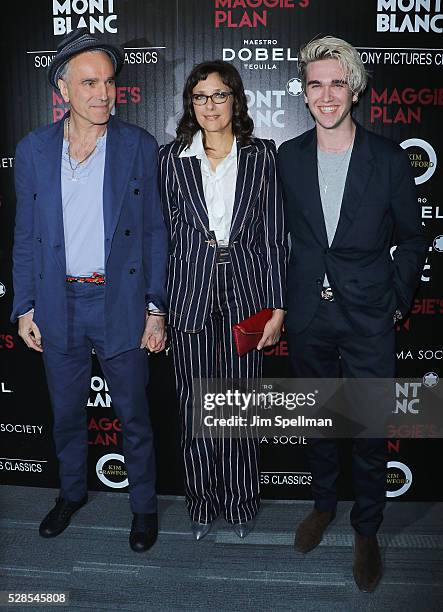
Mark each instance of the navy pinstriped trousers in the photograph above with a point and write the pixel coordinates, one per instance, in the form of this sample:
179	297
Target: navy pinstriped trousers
221	475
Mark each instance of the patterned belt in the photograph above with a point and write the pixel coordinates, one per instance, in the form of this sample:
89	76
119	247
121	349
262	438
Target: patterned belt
327	294
96	279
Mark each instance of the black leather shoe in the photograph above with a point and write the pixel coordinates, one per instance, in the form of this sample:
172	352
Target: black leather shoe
59	517
144	531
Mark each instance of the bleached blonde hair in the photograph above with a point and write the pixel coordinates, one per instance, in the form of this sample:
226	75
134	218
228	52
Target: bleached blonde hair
348	57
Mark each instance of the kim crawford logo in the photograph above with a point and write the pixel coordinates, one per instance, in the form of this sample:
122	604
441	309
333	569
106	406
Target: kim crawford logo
399	16
398	479
95	15
422	157
111	471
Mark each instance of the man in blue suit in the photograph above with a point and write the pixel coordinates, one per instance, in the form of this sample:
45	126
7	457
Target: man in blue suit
89	271
346	192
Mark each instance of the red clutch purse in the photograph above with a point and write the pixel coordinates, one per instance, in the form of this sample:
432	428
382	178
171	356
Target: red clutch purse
247	333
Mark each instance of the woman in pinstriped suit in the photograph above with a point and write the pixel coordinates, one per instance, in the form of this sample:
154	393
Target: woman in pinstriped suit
227	261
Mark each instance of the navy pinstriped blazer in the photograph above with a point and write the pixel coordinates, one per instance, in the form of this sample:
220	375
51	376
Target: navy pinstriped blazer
257	236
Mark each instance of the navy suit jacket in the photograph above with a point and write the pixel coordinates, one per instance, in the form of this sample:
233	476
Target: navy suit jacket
379	200
257	236
135	235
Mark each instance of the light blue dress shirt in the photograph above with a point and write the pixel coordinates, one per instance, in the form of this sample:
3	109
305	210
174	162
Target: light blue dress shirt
82	202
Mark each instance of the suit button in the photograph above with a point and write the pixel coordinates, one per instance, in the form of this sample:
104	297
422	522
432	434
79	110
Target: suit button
132	271
127	232
41	275
136	191
35	196
38	239
326	251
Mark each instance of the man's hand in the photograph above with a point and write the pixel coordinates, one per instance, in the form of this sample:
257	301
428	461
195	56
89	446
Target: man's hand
29	332
272	331
154	336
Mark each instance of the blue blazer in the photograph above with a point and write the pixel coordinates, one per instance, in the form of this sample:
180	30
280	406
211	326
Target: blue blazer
379	199
135	235
257	236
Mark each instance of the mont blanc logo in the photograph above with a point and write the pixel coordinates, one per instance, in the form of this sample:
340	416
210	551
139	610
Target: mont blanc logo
266	107
96	15
409	16
100	388
294	87
2	289
407	397
438	244
423	165
430	379
111	471
399	479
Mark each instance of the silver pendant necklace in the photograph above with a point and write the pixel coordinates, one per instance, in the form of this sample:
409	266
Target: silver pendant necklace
74	168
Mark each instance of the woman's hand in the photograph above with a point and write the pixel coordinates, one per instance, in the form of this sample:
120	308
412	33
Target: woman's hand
272	331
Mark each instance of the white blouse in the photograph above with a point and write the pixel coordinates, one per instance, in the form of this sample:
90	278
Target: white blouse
218	187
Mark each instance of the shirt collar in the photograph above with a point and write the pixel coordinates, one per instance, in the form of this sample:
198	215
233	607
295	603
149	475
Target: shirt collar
197	149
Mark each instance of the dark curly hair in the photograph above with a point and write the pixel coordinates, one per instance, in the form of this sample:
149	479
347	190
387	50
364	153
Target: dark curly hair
242	124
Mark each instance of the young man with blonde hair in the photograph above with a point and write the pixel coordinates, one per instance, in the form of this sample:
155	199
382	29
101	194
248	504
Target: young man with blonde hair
346	191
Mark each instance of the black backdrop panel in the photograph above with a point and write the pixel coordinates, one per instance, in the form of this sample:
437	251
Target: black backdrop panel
400	43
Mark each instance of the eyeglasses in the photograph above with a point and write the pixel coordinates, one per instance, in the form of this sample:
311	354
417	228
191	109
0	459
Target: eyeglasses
219	97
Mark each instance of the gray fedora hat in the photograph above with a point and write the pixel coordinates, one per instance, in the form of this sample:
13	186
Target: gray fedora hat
79	41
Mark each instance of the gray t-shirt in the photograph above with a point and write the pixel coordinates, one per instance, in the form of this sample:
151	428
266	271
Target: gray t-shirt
332	170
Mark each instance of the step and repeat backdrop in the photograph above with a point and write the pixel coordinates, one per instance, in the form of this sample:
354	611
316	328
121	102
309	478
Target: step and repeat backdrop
400	43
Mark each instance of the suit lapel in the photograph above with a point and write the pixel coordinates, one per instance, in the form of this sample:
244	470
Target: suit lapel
48	150
250	167
120	152
308	184
361	167
189	177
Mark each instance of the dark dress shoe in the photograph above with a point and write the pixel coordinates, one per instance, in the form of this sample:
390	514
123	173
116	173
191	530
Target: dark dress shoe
310	531
200	530
367	563
59	517
144	531
242	529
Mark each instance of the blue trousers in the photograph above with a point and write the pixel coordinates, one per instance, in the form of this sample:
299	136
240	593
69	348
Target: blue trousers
69	378
330	348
